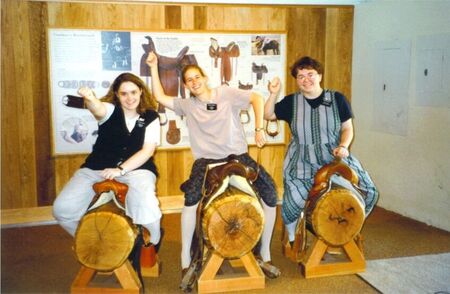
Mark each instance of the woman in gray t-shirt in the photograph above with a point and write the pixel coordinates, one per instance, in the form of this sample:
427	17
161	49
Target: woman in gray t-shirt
215	132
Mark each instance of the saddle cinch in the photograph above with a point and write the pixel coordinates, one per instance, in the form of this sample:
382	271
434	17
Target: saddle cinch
230	218
335	209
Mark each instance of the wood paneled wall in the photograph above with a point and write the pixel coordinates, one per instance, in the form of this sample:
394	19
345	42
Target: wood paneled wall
32	177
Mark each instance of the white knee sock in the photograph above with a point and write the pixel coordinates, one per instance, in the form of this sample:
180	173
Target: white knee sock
290	228
266	238
188	220
69	226
155	231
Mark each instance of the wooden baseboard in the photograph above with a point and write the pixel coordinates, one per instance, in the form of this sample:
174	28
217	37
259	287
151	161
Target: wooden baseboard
43	215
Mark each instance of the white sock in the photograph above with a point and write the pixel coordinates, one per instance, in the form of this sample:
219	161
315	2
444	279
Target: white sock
270	214
290	228
155	231
70	227
188	221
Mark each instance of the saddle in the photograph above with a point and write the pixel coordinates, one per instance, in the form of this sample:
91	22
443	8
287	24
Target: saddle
119	192
215	179
322	184
216	175
225	54
248	86
259	70
323	175
169	69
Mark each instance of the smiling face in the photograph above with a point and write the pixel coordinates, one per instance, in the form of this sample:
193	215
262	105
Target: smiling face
129	95
195	81
308	81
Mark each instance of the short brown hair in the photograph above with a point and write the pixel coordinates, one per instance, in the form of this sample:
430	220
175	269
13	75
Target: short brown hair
306	62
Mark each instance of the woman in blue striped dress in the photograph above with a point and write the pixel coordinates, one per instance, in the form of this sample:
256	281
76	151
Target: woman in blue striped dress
320	121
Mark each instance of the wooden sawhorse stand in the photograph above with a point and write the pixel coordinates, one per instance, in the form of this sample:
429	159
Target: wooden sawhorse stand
313	267
125	274
208	283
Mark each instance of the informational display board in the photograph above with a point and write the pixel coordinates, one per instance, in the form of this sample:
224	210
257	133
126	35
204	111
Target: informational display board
95	58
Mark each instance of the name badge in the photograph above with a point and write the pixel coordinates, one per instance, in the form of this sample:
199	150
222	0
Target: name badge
140	122
211	106
326	100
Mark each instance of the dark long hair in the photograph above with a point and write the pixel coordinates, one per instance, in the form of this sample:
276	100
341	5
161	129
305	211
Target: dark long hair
147	101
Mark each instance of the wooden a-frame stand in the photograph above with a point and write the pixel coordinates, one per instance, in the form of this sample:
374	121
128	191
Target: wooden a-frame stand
209	283
313	267
125	274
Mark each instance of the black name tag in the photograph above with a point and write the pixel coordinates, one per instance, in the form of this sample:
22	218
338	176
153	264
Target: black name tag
211	106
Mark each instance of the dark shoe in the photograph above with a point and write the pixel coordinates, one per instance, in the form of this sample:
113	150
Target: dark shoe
269	270
188	278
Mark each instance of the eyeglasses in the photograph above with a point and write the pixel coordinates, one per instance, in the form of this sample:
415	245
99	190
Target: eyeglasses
310	76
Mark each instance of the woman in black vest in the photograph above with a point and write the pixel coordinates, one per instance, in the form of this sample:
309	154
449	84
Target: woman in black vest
128	134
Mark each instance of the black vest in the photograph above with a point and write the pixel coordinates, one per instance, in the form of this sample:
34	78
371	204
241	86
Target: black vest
115	144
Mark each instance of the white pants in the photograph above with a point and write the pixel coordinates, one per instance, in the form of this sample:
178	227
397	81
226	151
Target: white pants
141	204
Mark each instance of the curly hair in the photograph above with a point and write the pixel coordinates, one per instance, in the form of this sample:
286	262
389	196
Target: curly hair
306	62
147	102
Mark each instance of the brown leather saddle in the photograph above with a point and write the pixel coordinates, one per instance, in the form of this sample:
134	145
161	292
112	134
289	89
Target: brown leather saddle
323	175
119	189
225	54
173	135
169	69
259	70
216	175
214	179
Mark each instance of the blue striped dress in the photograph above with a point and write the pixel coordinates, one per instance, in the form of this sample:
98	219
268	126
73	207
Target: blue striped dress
315	133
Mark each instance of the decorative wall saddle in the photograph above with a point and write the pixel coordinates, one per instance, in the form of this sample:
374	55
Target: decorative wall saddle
173	135
225	54
169	69
259	70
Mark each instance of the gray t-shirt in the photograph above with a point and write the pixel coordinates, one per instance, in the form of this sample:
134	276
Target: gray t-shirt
215	134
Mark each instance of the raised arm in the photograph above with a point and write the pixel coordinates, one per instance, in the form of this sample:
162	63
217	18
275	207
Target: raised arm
258	107
95	106
157	89
274	88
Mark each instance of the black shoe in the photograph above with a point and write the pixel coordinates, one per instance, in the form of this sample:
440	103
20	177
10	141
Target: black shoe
269	270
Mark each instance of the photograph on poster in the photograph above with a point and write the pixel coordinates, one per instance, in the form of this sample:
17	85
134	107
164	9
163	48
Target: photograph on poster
95	58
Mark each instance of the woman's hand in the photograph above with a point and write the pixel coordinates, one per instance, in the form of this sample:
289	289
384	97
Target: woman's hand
341	152
152	59
260	138
110	173
274	86
87	93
